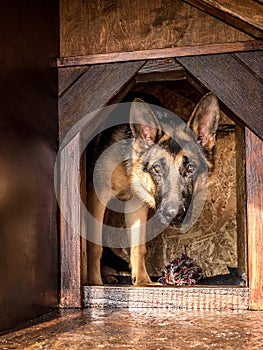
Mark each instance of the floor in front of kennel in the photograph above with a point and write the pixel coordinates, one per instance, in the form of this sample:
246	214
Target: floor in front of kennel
142	328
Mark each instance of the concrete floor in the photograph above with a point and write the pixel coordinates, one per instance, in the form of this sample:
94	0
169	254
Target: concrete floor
141	329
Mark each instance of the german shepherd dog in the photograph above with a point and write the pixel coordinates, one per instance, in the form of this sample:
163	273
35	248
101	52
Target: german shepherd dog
159	169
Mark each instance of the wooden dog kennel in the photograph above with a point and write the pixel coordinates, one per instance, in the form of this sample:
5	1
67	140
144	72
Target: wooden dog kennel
100	70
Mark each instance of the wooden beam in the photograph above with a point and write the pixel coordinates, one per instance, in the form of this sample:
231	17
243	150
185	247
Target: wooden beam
159	53
235	85
167	297
254	181
241	216
253	60
68	76
160	70
244	15
70	225
93	90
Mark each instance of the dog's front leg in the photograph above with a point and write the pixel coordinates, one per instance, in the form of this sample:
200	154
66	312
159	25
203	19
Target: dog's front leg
136	225
94	239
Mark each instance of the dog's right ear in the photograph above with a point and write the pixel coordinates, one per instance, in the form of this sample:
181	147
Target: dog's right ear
144	124
204	121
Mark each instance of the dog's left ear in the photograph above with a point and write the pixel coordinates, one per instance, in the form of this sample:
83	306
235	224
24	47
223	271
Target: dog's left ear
204	120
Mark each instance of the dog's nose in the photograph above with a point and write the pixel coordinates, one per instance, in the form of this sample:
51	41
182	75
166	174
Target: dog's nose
170	214
176	215
180	214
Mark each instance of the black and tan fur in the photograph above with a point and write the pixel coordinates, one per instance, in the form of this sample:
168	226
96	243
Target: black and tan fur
160	174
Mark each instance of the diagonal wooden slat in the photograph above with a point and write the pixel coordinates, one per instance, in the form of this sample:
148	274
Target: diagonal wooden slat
68	76
253	60
93	90
244	15
237	87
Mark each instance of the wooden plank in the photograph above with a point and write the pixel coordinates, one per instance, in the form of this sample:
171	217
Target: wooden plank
107	26
241	218
210	298
68	76
254	181
160	66
83	193
253	60
244	15
235	86
93	90
70	225
160	53
160	70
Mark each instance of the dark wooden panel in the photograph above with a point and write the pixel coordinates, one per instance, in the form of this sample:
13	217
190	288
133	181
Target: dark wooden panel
28	146
253	60
235	86
244	15
93	90
70	238
254	179
92	27
68	76
160	53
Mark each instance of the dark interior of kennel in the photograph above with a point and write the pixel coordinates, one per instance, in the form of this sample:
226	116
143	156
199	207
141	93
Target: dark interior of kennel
212	242
98	44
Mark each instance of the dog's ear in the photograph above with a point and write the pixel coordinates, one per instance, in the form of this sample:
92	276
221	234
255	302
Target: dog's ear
204	120
143	123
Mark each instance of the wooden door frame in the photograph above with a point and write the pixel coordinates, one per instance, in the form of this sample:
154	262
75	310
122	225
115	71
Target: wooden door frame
72	252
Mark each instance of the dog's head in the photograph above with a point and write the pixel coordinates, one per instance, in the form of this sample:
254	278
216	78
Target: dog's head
170	158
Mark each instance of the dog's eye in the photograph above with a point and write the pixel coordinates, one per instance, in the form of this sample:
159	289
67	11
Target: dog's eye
190	168
156	168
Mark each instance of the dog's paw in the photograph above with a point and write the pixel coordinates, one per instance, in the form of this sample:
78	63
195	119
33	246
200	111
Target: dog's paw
110	279
142	282
95	282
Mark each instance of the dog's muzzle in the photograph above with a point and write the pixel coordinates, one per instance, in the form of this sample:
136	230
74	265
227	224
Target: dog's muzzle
172	216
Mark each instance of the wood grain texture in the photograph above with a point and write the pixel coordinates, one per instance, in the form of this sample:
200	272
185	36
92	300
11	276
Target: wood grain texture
70	239
210	298
232	83
160	70
68	76
160	66
244	15
254	182
241	215
93	27
93	90
160	53
253	61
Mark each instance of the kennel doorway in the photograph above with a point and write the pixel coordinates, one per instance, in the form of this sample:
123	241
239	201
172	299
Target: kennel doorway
109	83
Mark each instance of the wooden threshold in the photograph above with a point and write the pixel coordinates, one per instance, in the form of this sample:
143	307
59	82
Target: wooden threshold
159	53
196	297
